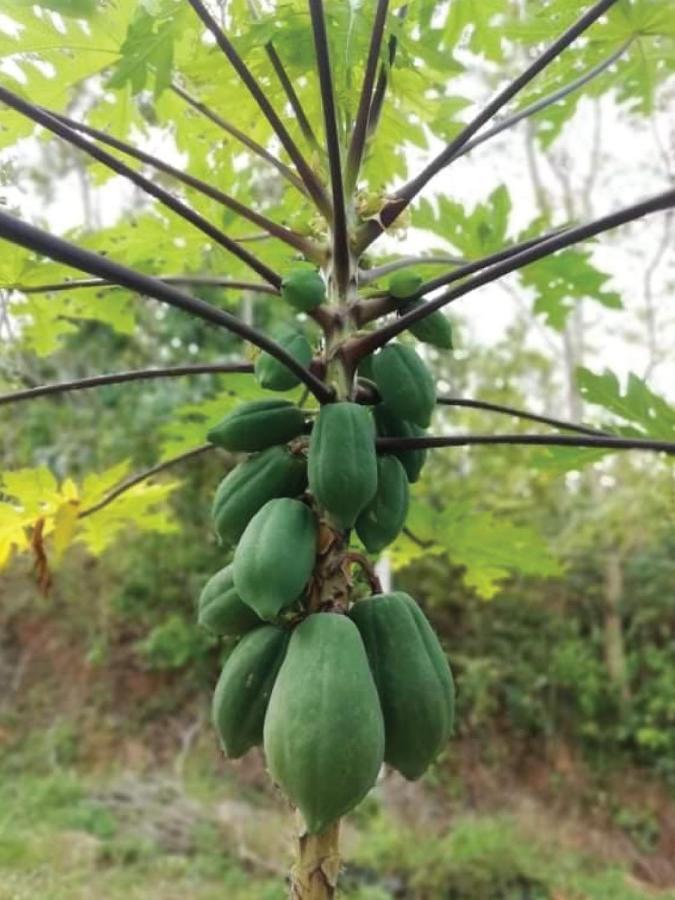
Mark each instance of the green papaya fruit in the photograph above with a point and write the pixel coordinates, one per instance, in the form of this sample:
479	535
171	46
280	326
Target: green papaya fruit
258	425
384	517
303	288
404	284
365	368
390	425
275	557
413	680
275	472
435	329
323	734
272	374
342	463
222	610
244	688
405	384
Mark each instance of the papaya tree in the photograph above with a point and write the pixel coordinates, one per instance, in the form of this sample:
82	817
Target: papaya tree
301	121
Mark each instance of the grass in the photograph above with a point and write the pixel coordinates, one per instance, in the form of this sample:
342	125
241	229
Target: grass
56	842
492	858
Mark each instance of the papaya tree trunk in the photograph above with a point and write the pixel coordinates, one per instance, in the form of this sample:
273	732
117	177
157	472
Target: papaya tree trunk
315	873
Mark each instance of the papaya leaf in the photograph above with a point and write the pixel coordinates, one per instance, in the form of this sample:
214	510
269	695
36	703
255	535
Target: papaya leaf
65	525
645	412
556	461
13	534
560	281
33	489
478	25
491	549
148	49
79	9
474	234
138	508
97	484
35	502
640	411
46	57
45	320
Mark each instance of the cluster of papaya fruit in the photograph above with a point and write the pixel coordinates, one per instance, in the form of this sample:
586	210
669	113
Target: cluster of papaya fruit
331	687
331	697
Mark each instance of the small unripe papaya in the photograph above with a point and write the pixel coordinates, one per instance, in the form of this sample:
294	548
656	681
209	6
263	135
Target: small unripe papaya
258	425
342	464
222	610
404	284
434	329
304	289
413	680
244	688
275	472
365	368
275	557
390	425
384	517
405	384
272	374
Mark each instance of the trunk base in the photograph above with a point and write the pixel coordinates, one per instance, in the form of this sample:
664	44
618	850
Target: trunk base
315	873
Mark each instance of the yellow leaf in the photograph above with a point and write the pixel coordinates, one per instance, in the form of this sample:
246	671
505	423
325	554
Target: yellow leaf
12	532
97	484
42	507
134	508
32	488
65	524
69	490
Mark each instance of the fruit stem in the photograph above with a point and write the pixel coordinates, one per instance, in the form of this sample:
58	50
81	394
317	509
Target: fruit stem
367	568
315	873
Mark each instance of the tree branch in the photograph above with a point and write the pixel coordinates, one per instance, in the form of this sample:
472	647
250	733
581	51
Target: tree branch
198	280
291	94
252	238
143	476
278	231
242	137
82	384
369	342
341	254
359	134
403	197
32	238
39	116
518	413
486	261
308	176
381	87
417	540
375	307
546	101
368	275
600	442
